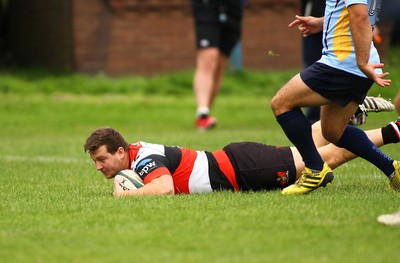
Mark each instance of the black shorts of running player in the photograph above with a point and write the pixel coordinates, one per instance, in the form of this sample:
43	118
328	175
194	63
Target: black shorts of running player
217	23
261	167
336	85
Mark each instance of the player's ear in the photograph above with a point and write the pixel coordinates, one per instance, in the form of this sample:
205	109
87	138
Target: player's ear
121	152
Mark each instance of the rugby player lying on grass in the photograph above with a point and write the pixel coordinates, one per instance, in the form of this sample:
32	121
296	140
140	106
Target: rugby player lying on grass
242	166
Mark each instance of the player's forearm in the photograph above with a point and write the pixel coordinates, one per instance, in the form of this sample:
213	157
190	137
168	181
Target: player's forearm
146	190
362	33
160	186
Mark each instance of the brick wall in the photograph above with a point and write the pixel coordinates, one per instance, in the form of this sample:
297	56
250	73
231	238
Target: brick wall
121	37
265	28
147	37
132	37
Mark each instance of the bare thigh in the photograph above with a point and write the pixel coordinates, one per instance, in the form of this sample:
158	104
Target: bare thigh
295	94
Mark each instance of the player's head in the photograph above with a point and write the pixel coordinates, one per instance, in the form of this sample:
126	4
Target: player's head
109	151
109	137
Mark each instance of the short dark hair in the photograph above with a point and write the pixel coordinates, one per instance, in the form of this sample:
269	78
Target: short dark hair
109	137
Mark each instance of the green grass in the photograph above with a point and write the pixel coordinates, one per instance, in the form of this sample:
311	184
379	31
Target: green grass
56	208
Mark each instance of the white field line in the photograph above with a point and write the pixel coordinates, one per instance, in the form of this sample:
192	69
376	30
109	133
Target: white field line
43	159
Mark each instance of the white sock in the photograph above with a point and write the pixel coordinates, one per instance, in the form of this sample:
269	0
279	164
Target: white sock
203	111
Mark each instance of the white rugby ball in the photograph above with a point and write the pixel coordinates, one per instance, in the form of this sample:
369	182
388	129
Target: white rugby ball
129	179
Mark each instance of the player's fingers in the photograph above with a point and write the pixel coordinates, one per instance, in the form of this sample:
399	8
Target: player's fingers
383	82
294	23
383	75
117	186
380	65
305	33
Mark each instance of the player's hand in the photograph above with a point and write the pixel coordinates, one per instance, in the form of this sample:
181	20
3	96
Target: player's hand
379	79
118	190
307	25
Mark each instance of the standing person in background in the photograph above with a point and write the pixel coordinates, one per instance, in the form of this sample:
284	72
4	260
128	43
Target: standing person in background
338	82
389	12
312	45
218	29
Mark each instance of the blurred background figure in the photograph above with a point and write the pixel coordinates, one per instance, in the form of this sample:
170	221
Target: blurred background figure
387	30
218	30
235	60
312	45
390	30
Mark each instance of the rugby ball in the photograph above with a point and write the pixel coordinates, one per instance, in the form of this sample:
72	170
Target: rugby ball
129	179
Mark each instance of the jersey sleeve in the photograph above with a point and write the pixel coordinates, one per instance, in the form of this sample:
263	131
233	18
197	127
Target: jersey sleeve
152	167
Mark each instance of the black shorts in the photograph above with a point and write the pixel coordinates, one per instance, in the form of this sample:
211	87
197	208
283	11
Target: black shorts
336	85
217	23
261	167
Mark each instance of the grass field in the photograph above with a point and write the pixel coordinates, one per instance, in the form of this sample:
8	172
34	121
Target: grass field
56	208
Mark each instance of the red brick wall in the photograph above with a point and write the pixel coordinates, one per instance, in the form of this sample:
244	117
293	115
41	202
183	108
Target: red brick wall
133	37
121	37
147	37
265	28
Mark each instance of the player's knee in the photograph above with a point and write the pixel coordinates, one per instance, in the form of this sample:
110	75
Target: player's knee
278	105
275	105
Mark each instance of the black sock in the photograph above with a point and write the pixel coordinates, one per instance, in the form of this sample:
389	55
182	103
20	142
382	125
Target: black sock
357	142
298	130
391	133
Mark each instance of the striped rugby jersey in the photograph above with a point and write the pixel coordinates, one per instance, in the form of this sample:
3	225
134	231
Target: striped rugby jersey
338	47
192	171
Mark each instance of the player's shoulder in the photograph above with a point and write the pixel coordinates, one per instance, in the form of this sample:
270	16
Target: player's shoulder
152	146
146	150
146	145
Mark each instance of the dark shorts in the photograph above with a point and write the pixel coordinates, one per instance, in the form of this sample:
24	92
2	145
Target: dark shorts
217	23
336	85
261	167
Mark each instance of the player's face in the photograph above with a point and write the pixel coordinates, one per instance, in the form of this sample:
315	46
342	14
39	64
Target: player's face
107	163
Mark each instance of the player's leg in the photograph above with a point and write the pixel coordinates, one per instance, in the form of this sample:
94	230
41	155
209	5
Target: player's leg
207	63
370	104
326	131
207	58
295	94
286	106
204	85
229	32
335	156
365	145
217	80
356	141
335	118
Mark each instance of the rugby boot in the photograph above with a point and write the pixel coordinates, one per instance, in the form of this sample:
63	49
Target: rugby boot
205	122
310	181
395	179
